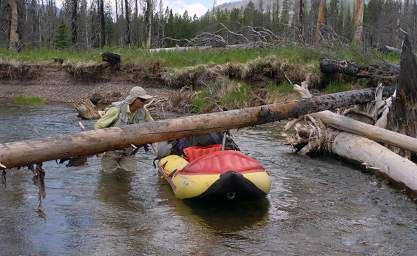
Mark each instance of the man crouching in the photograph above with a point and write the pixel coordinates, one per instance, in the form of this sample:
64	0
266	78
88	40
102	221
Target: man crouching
130	111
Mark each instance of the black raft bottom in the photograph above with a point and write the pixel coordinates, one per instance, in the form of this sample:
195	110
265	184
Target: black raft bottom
231	186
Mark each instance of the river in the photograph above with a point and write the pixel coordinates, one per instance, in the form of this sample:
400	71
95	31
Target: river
317	206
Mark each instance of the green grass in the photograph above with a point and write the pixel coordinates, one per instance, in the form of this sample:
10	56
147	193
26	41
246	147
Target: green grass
28	100
237	97
200	101
281	88
340	86
291	53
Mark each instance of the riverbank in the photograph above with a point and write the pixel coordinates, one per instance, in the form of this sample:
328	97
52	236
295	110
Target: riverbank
193	81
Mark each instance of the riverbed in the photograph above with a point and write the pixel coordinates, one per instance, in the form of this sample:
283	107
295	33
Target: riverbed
317	206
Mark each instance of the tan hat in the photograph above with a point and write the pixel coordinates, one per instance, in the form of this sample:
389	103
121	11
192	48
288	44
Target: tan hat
137	92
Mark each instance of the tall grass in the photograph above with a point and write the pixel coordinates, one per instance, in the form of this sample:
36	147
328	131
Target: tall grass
176	59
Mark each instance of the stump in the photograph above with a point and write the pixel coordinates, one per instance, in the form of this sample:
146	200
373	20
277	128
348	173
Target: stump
112	58
402	117
86	109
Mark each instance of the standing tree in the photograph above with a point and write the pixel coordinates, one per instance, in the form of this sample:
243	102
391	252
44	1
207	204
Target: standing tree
148	24
61	39
402	116
127	13
358	20
321	20
13	25
102	23
74	17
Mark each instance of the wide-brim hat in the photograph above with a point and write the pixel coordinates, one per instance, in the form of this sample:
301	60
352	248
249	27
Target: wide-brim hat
137	92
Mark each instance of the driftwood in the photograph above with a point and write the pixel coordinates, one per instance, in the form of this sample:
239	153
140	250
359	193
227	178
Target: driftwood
91	142
372	155
86	109
369	131
385	73
314	135
390	49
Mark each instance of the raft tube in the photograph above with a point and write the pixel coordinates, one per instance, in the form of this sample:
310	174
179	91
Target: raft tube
216	175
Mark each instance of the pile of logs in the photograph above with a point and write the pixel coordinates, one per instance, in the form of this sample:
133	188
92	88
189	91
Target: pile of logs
353	140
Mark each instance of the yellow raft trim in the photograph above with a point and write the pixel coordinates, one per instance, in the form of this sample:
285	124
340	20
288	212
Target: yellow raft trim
260	179
189	186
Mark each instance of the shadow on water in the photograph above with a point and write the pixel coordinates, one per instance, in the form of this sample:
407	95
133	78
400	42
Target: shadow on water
219	216
230	216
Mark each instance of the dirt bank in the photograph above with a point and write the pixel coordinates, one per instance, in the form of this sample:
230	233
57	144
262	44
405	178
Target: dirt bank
70	91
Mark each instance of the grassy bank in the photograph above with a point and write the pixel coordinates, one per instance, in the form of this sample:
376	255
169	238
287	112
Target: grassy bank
293	54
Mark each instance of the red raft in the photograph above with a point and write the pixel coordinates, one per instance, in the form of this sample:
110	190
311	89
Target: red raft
208	172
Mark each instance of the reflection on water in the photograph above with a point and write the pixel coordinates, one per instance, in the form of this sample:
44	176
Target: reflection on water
315	207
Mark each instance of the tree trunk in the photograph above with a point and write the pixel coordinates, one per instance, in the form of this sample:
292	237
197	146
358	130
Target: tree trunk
358	20
148	23
373	155
91	142
402	117
128	40
13	25
301	20
117	13
102	25
366	130
385	73
74	17
321	20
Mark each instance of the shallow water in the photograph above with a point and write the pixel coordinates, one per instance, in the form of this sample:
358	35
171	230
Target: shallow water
316	206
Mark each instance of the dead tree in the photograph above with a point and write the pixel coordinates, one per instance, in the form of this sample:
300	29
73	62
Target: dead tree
74	17
358	19
102	24
403	114
13	25
128	37
321	20
384	72
301	20
148	23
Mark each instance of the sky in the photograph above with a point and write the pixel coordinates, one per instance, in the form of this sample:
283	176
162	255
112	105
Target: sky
198	7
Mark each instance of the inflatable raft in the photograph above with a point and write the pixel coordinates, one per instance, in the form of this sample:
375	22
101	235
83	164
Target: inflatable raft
208	172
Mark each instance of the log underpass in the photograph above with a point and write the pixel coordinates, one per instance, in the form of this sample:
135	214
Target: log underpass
15	154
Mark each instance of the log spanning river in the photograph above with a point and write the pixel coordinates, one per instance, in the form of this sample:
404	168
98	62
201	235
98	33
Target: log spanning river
316	206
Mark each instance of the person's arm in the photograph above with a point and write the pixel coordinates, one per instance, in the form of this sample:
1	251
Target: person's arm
148	116
109	117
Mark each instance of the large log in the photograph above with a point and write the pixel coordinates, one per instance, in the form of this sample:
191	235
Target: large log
376	156
91	142
369	131
385	73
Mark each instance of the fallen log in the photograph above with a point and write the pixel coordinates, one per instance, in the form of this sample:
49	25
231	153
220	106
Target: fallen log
91	142
374	156
369	131
385	73
389	49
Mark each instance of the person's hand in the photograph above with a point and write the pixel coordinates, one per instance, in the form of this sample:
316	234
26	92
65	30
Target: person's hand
146	147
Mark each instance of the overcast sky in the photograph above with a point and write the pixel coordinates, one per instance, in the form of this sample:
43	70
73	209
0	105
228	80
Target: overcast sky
198	7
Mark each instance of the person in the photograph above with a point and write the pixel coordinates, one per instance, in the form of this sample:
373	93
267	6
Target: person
176	147
130	111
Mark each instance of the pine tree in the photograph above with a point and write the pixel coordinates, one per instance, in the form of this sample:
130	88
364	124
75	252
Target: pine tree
62	37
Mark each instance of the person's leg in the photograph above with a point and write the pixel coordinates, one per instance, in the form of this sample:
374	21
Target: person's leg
128	163
110	163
